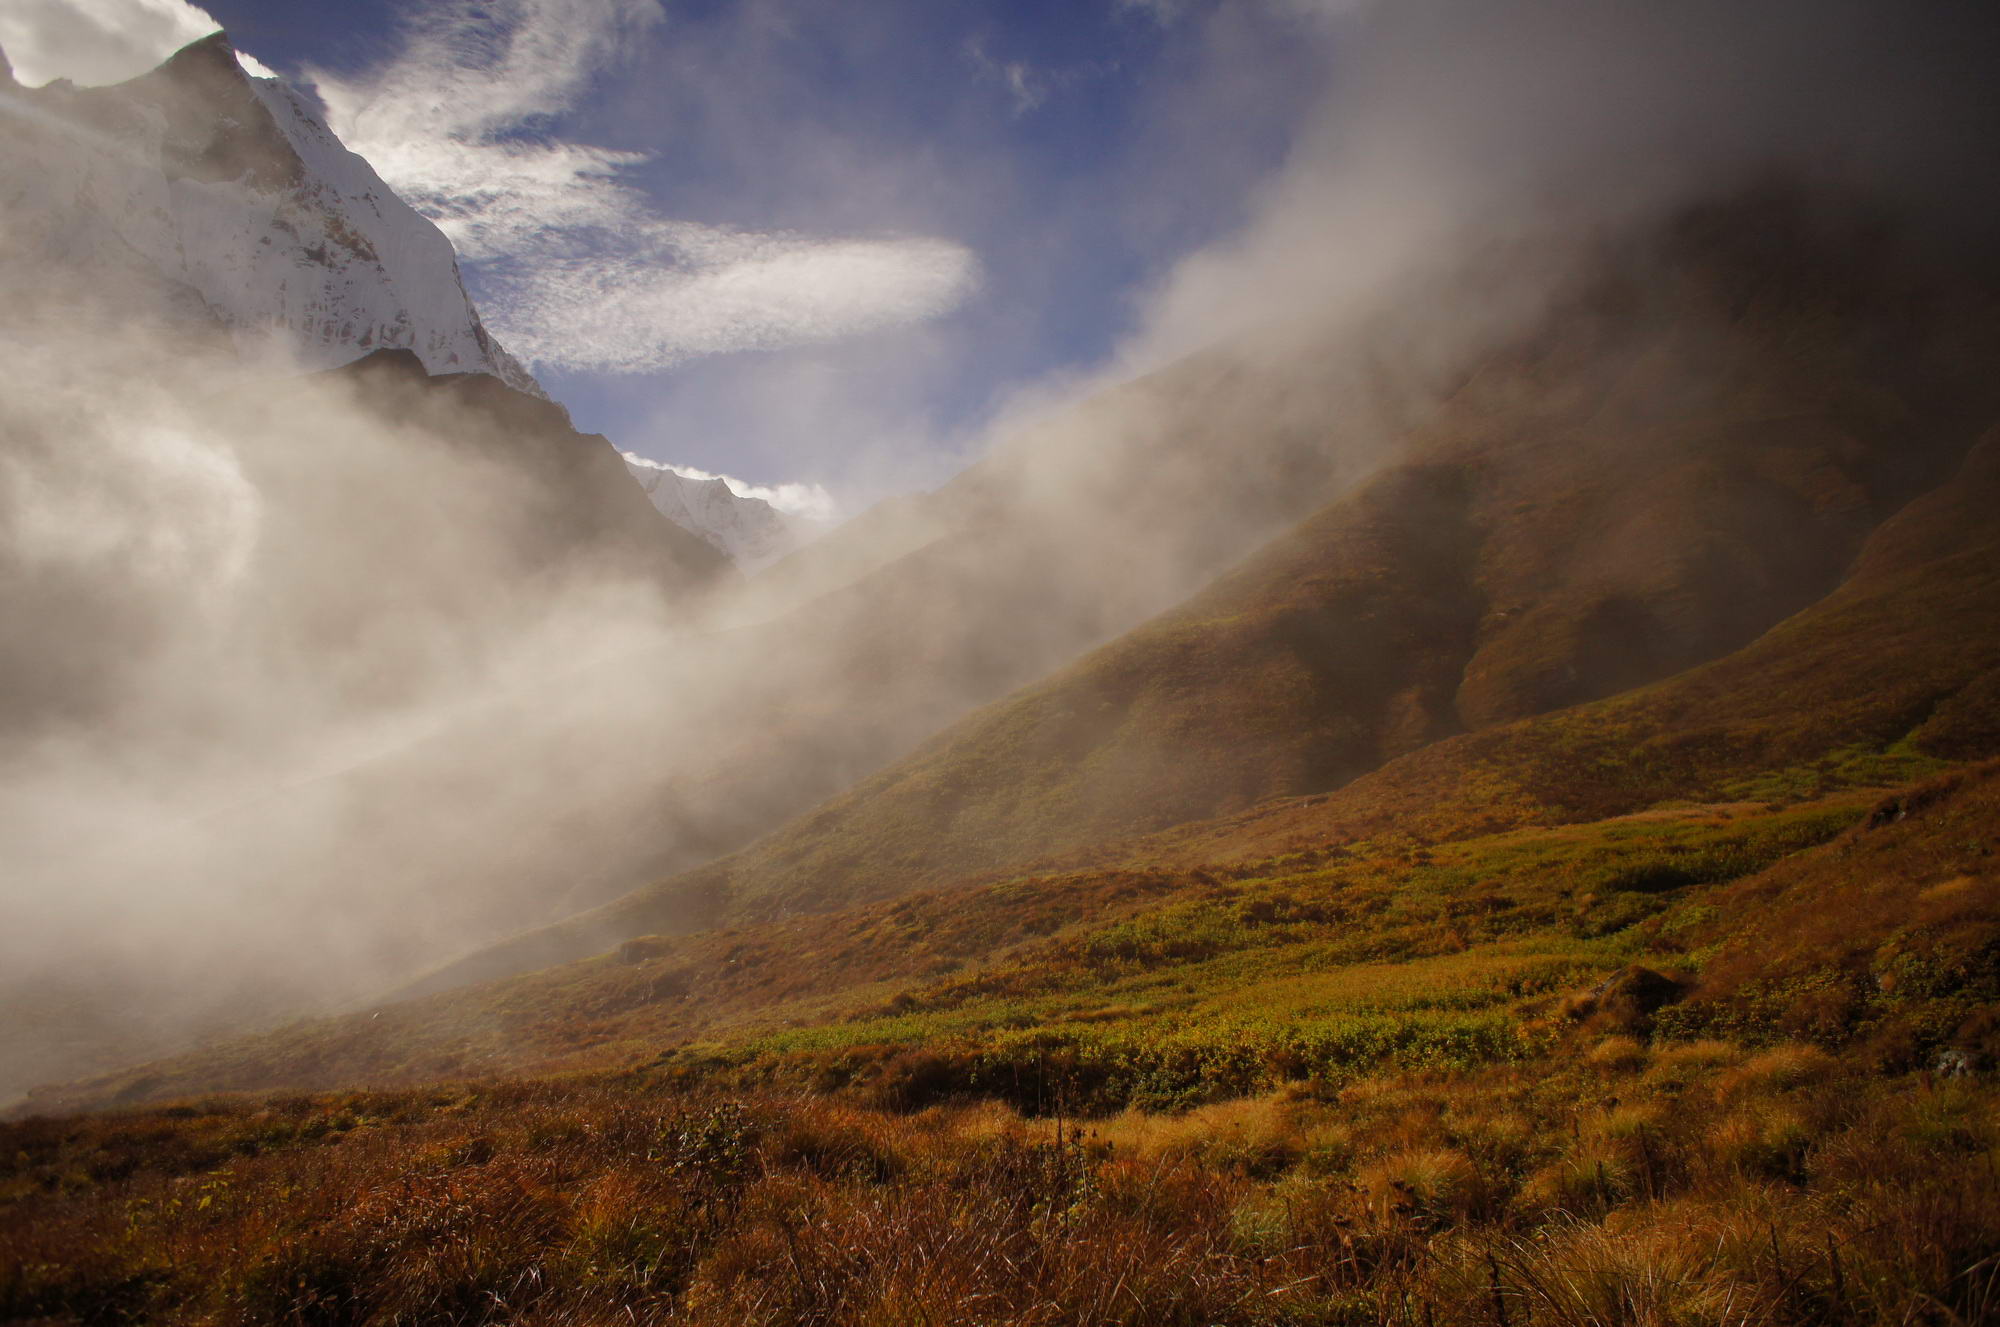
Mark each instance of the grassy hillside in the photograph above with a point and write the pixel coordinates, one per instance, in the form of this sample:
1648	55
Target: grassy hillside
1111	956
1599	508
1690	447
1399	1088
1893	669
1700	1183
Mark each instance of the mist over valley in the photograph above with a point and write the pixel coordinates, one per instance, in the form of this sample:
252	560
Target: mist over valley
1258	663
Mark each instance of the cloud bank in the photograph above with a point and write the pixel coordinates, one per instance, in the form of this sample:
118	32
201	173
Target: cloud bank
581	270
97	42
1449	125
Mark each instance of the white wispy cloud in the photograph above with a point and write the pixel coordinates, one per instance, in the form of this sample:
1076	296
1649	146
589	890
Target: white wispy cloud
96	42
1167	13
582	270
1164	12
807	501
1027	88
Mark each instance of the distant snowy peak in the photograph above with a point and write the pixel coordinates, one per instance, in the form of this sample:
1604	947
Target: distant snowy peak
750	531
230	187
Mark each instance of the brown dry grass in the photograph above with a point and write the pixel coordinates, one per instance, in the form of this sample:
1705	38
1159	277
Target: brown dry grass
1408	1198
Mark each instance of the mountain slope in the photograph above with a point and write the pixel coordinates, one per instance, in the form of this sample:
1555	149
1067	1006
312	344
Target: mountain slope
1892	671
1897	670
1902	661
1693	448
1461	1081
582	505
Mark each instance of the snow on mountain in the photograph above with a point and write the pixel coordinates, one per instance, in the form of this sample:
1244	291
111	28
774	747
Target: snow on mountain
227	196
750	530
229	190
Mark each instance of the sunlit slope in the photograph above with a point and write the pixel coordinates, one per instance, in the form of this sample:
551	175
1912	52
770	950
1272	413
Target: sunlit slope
1681	460
1526	1069
1600	509
578	493
1893	669
1688	445
1160	988
1890	678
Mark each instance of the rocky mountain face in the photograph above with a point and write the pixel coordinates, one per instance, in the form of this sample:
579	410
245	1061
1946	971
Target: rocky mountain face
229	196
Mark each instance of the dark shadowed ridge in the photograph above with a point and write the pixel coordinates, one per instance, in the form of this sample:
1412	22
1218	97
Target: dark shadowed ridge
585	501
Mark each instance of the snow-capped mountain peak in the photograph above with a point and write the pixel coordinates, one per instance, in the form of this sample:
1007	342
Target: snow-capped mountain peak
228	187
750	530
225	195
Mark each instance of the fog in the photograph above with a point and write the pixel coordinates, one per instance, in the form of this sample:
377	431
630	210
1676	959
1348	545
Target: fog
224	595
316	682
1452	126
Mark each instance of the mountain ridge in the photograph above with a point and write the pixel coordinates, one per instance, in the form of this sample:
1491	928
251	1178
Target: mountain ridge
228	188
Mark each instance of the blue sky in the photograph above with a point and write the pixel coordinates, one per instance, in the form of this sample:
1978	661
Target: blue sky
965	197
795	241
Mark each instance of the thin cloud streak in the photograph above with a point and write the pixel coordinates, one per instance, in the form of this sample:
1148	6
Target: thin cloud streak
1027	90
807	501
581	270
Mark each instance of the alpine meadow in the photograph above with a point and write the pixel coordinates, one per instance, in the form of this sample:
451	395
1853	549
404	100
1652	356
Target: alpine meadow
1174	663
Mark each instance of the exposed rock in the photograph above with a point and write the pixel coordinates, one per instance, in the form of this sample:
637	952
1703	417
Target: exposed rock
1911	802
645	948
1955	1062
1628	998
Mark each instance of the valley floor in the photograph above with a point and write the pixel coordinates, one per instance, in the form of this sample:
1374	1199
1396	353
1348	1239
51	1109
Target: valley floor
1695	1182
1717	1063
